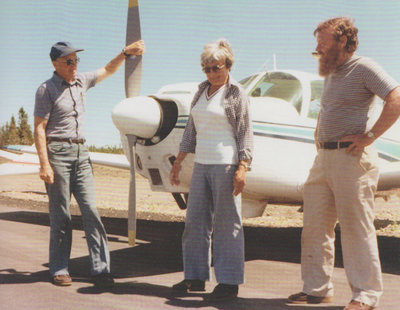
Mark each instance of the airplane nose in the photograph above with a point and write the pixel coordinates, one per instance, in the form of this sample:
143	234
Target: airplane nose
139	116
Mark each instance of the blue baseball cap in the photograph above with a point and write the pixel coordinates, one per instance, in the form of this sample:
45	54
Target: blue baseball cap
61	49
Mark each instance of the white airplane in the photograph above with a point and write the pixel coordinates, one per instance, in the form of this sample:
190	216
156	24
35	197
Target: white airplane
284	106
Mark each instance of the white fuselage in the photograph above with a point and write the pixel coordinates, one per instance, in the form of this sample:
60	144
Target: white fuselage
284	106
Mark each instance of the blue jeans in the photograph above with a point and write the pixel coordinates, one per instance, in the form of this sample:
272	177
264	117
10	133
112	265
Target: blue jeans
213	210
73	175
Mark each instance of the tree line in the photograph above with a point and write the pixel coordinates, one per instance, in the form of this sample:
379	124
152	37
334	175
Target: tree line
20	132
16	132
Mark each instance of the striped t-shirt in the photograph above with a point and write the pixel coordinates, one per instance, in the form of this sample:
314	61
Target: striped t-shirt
348	98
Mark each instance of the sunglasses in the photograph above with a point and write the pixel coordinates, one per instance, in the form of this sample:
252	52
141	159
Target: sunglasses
71	61
215	68
315	55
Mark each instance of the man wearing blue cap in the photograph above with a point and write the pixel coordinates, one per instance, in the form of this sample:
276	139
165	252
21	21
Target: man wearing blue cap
65	165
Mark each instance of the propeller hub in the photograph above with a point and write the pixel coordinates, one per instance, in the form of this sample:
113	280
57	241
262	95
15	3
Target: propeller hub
139	116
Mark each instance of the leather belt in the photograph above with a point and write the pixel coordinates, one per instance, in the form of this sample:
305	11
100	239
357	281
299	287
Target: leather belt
334	145
69	140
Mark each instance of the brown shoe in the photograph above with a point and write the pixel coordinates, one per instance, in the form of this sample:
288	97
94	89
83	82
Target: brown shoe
357	305
303	298
62	280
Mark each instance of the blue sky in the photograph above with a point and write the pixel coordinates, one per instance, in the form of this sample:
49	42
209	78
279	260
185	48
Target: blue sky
175	33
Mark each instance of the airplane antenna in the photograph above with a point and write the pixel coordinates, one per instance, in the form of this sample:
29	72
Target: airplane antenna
274	67
264	66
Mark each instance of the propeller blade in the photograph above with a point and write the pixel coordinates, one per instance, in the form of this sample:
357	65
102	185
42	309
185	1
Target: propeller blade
133	77
132	192
133	66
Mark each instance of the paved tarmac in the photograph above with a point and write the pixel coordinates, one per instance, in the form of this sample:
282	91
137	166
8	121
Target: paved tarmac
145	272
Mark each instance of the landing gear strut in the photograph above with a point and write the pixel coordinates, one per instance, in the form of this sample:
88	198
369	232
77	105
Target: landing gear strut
181	201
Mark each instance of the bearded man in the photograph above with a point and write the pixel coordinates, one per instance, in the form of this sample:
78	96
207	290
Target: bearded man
343	180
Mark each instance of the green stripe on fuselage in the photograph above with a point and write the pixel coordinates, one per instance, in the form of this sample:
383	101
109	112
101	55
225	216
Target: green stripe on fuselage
288	130
384	146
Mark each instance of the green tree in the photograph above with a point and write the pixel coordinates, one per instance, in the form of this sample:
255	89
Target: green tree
4	134
13	137
24	129
10	133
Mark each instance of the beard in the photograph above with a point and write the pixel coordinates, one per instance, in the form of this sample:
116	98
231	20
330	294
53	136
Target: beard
329	61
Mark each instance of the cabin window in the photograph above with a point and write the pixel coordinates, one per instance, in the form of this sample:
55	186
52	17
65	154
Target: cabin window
315	100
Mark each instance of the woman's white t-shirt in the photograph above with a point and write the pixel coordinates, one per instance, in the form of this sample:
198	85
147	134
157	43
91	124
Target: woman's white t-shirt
215	140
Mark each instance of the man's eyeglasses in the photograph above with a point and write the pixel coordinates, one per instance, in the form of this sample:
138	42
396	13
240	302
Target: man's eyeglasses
215	68
70	62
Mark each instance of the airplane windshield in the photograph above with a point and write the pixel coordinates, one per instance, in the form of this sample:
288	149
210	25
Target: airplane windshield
279	85
246	81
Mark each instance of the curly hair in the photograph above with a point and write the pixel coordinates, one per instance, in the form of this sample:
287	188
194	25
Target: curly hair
341	26
216	51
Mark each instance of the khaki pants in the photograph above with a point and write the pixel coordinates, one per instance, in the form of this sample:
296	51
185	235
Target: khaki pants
341	187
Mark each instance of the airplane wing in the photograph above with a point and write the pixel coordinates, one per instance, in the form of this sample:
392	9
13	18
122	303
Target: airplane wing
389	175
22	159
18	168
18	163
388	147
110	160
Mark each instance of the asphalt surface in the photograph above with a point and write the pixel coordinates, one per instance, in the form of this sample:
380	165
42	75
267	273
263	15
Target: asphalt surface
145	272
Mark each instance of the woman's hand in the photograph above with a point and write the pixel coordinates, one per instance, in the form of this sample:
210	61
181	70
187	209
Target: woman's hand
176	168
174	174
239	180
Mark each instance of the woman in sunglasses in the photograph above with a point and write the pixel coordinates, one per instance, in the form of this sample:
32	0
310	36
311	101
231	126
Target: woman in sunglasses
219	133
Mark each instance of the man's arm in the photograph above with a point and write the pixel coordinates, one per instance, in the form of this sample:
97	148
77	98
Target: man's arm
137	48
46	172
389	115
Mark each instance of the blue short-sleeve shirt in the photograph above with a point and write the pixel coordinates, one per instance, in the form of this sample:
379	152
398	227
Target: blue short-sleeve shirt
63	105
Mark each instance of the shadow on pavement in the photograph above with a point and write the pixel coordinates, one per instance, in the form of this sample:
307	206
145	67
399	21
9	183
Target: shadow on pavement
12	276
195	300
159	245
243	303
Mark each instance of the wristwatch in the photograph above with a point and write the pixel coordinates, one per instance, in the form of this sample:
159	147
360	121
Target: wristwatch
244	164
370	134
125	54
